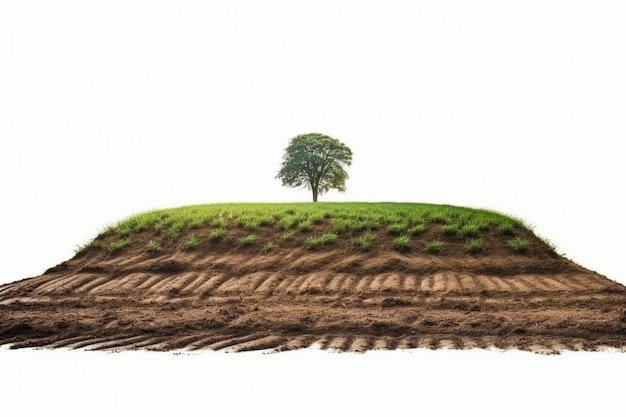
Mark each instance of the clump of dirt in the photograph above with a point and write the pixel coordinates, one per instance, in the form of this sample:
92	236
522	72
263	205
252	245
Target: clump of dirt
221	295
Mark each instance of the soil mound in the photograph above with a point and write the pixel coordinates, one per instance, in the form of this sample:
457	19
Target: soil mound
238	295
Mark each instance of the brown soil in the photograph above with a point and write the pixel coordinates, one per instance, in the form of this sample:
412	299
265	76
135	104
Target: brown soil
222	296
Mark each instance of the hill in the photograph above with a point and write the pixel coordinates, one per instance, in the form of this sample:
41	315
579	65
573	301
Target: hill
346	276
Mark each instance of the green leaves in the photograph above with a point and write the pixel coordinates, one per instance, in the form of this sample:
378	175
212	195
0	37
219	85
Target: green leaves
316	162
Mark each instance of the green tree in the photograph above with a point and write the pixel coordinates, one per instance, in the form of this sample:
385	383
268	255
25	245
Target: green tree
316	162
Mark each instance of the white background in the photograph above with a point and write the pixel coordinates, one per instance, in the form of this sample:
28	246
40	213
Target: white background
111	108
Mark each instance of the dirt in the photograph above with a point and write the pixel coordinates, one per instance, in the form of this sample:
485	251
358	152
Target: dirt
224	296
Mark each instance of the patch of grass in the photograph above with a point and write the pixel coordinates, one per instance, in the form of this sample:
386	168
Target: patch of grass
305	225
268	247
119	244
173	231
247	240
153	246
417	229
470	230
451	229
518	245
340	225
402	243
288	222
364	241
315	242
217	234
396	228
473	246
250	223
505	228
440	218
191	243
352	219
434	247
86	247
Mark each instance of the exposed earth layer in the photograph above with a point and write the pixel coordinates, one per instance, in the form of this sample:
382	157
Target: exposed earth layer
226	296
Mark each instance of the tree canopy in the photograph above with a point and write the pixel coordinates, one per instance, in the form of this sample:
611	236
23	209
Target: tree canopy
316	162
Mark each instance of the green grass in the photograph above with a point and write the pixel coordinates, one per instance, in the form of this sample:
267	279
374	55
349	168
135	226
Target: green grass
191	243
364	241
396	228
417	229
217	234
402	243
119	244
470	229
315	242
153	246
518	245
451	229
434	246
473	246
505	228
268	247
247	240
86	247
349	223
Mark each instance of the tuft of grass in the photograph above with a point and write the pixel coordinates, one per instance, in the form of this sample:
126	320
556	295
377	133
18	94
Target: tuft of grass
473	246
287	235
505	228
268	247
417	229
518	245
340	225
434	246
247	240
402	243
191	243
173	231
217	234
85	247
305	225
450	229
315	242
153	246
470	230
364	241
119	244
396	228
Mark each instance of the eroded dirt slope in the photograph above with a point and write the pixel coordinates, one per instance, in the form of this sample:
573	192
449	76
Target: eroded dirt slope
223	296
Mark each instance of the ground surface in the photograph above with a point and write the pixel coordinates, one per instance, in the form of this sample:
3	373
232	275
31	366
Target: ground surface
224	296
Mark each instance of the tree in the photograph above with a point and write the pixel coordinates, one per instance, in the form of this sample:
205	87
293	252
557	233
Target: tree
316	162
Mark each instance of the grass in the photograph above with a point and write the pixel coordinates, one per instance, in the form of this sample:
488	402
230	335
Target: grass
247	240
119	244
451	229
470	230
364	241
268	247
417	229
352	223
434	246
518	245
153	246
315	242
402	243
473	246
396	228
191	243
217	234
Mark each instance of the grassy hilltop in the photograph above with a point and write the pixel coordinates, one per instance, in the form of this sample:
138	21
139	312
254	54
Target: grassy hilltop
405	227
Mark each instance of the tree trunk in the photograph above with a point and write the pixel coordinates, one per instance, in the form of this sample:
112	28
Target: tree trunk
315	195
